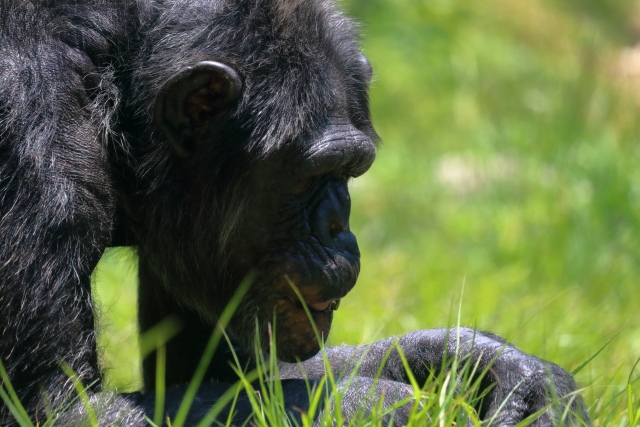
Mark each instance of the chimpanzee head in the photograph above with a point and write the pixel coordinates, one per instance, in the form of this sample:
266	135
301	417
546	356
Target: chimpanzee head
259	119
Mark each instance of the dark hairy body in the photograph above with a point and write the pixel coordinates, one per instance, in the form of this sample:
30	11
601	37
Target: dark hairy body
217	136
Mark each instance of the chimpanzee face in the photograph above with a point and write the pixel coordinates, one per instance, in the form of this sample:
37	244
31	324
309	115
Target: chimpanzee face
295	232
267	149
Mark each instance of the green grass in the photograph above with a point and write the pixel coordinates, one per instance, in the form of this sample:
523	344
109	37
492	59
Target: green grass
510	168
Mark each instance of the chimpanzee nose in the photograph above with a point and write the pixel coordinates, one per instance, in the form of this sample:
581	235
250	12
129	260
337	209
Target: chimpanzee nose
330	219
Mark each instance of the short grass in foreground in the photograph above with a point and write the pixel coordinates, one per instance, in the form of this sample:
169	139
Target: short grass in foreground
446	400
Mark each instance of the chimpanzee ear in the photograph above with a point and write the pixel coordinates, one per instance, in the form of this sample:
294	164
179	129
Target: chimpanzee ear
193	98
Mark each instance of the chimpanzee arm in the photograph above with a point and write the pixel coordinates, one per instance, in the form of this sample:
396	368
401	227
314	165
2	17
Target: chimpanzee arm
525	382
55	213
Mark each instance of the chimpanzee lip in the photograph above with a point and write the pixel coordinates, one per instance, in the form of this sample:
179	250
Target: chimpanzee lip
330	305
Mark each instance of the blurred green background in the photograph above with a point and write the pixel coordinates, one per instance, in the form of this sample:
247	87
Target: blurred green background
506	191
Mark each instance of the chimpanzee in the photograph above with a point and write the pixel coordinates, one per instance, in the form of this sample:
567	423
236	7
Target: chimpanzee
217	136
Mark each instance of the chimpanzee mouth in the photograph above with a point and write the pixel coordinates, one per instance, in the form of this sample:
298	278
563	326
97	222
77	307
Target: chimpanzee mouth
320	307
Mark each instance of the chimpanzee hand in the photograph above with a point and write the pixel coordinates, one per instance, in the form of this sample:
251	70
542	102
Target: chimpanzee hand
518	385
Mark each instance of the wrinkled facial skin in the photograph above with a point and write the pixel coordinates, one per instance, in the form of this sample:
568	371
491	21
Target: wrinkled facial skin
296	235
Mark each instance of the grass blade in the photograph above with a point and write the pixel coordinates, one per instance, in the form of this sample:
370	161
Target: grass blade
82	393
11	398
161	367
593	356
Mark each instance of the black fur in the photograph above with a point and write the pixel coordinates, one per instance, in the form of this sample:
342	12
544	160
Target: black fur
117	129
